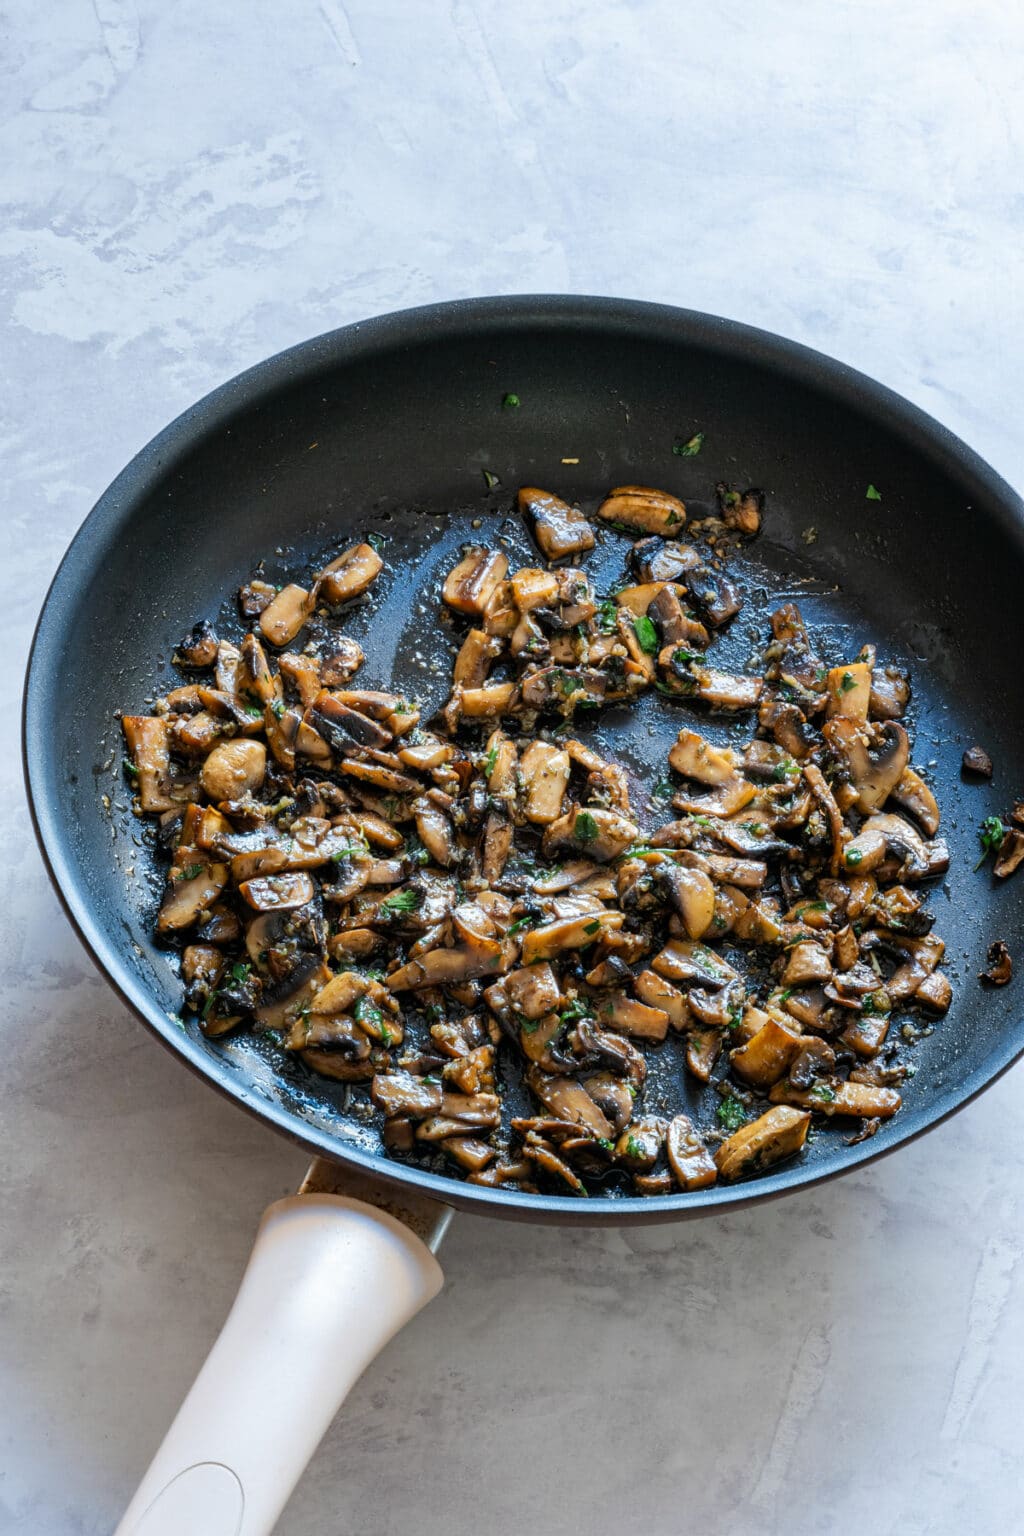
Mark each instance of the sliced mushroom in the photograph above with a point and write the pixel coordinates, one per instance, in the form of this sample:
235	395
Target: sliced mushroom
471	584
727	690
199	646
767	1055
977	761
532	991
835	1097
559	529
545	774
194	883
1010	854
640	1143
148	740
569	1100
643	509
601	835
399	1093
285	615
849	691
698	759
473	662
656	559
1000	964
713	596
692	894
890	694
914	795
778	1134
741	510
807	965
349	575
572	933
629	1017
234	769
343	663
689	1159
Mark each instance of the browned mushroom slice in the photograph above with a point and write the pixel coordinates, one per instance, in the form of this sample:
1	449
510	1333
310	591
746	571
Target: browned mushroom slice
713	596
1010	854
914	795
643	509
470	585
681	960
435	832
277	893
890	693
461	1112
640	1144
767	1055
726	690
443	967
343	663
835	1097
148	740
822	793
656	559
977	761
638	599
692	894
194	883
691	1163
601	835
849	690
748	874
935	993
572	875
399	1093
473	662
285	1002
914	858
676	626
876	757
563	687
234	770
777	1134
732	794
741	510
304	673
629	1017
569	1100
350	574
698	759
328	1032
572	933
703	1048
290	609
1000	965
807	965
379	775
488	702
545	775
532	991
559	529
343	727
658	993
334	1064
353	944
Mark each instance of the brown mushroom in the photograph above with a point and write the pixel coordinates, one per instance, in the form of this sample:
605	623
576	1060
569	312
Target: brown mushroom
558	528
234	769
689	1159
1000	964
286	614
349	575
643	509
977	761
601	835
472	582
760	1144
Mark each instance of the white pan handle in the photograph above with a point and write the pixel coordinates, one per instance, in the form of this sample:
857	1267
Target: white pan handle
330	1281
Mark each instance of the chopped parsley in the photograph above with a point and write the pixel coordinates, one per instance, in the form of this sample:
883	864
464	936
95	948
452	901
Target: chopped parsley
594	927
577	1009
585	829
188	873
822	1092
646	634
526	921
406	900
662	789
607	616
730	1113
871	494
490	480
991	833
240	971
510	402
366	1012
277	708
131	770
490	760
852	856
635	1148
847	682
376	541
691	448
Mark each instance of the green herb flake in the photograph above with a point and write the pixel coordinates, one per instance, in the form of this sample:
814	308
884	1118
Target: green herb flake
406	900
871	494
366	1012
131	770
585	829
991	834
823	1093
607	616
527	921
635	1148
852	857
577	1009
240	971
847	682
646	634
510	402
672	518
594	927
691	447
490	760
662	789
490	480
730	1113
188	873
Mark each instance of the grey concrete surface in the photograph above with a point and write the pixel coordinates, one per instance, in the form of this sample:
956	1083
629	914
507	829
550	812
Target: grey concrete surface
188	187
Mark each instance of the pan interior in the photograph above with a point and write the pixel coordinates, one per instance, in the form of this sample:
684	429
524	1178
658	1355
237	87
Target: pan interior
389	429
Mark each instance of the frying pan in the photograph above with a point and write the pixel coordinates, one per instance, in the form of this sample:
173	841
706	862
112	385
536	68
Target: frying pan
389	426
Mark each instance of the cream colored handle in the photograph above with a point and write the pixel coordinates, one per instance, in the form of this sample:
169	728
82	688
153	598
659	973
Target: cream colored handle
330	1281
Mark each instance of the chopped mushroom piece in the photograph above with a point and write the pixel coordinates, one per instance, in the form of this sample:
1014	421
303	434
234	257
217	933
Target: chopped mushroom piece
472	583
559	529
766	1141
350	574
1010	854
691	1163
977	761
833	1097
767	1055
601	835
234	769
286	614
1000	964
148	740
645	510
545	774
696	758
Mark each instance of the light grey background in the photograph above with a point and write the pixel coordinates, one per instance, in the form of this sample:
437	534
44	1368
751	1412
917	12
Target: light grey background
189	187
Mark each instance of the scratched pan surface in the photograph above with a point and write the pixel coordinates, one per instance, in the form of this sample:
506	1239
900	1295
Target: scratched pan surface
388	426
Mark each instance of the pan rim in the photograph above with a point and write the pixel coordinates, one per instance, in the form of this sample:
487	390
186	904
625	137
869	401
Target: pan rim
405	329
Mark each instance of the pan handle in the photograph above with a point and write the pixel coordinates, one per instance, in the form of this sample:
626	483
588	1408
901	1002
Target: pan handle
330	1281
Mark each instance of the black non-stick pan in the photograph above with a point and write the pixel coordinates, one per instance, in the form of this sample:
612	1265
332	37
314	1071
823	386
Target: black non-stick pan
389	426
